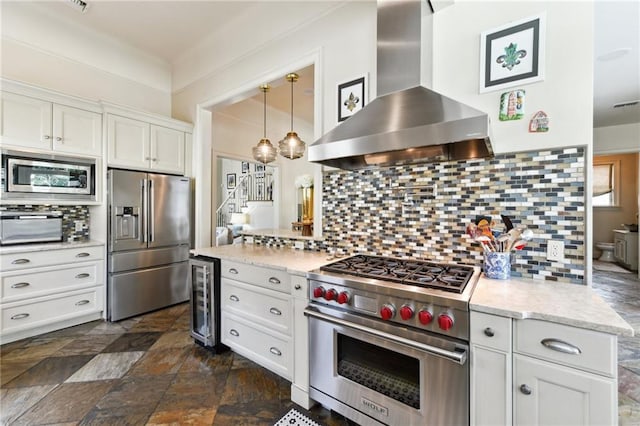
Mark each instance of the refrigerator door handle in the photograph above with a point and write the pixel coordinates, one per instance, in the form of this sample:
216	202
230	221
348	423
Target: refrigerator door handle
152	211
143	222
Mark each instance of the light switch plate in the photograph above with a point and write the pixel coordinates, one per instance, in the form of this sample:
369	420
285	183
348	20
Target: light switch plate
298	245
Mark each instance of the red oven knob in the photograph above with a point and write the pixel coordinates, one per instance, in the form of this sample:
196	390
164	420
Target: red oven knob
425	317
387	312
331	294
406	312
318	292
343	297
445	322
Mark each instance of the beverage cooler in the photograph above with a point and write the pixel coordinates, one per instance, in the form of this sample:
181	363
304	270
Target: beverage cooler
204	287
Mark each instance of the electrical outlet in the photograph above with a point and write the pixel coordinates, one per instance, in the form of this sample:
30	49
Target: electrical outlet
555	250
248	240
79	225
298	245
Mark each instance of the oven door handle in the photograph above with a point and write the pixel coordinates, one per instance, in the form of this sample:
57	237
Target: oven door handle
457	357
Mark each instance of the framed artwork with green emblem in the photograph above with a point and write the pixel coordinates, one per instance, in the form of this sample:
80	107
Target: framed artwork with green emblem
512	54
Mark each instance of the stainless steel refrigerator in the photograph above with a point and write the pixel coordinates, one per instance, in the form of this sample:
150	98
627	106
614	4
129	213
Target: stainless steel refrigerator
149	234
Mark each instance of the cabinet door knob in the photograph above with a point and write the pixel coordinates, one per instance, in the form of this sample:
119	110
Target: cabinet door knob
234	298
525	389
297	287
234	332
46	137
233	271
58	138
274	280
489	332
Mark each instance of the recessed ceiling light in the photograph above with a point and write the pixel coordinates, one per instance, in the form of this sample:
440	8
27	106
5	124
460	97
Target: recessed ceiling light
614	54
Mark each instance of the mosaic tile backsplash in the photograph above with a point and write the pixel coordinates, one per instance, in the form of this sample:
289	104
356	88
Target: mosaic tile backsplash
70	214
395	211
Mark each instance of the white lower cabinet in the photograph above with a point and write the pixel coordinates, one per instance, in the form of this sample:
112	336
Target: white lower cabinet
300	385
256	315
532	372
42	291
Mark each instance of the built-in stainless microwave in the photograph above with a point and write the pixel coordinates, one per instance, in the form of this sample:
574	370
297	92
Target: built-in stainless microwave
50	177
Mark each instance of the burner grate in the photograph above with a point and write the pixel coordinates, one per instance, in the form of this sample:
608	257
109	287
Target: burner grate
426	274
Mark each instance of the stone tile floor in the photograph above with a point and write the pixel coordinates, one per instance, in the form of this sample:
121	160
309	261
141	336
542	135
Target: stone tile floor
147	370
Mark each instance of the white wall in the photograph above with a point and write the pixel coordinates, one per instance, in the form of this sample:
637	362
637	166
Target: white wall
60	55
613	139
566	94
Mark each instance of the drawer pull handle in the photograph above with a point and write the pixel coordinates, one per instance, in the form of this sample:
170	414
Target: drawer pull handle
274	280
297	287
83	254
234	298
19	316
234	332
233	271
275	311
525	389
83	275
20	285
275	351
489	332
561	346
20	261
82	302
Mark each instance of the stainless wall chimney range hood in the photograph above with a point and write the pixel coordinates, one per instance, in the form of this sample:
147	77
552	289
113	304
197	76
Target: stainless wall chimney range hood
407	123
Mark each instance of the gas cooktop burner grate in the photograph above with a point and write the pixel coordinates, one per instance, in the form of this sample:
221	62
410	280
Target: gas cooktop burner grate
451	278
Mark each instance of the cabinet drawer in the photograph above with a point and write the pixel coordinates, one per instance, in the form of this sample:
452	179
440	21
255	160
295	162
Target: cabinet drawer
36	259
41	311
299	287
18	285
594	351
274	279
491	331
265	307
267	350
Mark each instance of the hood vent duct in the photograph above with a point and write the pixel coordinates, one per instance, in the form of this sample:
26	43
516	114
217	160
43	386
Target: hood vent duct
406	123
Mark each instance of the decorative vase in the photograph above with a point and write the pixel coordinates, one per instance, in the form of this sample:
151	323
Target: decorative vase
307	204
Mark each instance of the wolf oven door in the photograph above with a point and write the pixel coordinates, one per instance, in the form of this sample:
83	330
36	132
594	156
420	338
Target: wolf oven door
368	371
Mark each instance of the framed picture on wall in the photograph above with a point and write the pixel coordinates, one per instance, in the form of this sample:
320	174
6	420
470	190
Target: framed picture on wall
351	97
245	167
512	54
231	180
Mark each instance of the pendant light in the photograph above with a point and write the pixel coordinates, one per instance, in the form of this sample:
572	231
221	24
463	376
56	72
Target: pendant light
291	146
265	152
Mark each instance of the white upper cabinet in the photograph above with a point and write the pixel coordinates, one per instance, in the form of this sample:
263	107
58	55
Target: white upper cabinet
141	145
37	123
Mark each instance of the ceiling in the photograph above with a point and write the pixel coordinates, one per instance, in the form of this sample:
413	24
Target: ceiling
166	29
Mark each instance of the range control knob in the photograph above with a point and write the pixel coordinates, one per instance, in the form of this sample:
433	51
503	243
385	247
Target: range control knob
425	317
387	312
331	294
318	292
343	297
445	322
406	312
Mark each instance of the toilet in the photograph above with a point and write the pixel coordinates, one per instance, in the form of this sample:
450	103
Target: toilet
607	251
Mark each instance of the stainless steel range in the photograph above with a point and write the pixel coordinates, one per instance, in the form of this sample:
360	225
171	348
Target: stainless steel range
389	340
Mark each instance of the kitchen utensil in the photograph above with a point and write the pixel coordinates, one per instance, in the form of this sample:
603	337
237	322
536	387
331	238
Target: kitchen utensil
527	235
518	245
502	240
507	222
486	243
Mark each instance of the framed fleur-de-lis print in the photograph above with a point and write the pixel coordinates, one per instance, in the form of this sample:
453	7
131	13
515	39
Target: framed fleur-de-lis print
512	54
351	97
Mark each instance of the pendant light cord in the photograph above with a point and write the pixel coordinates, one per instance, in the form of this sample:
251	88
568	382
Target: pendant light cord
264	132
292	104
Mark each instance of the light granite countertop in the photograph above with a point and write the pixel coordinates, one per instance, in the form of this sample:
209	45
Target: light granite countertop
278	233
568	304
571	304
28	248
297	262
